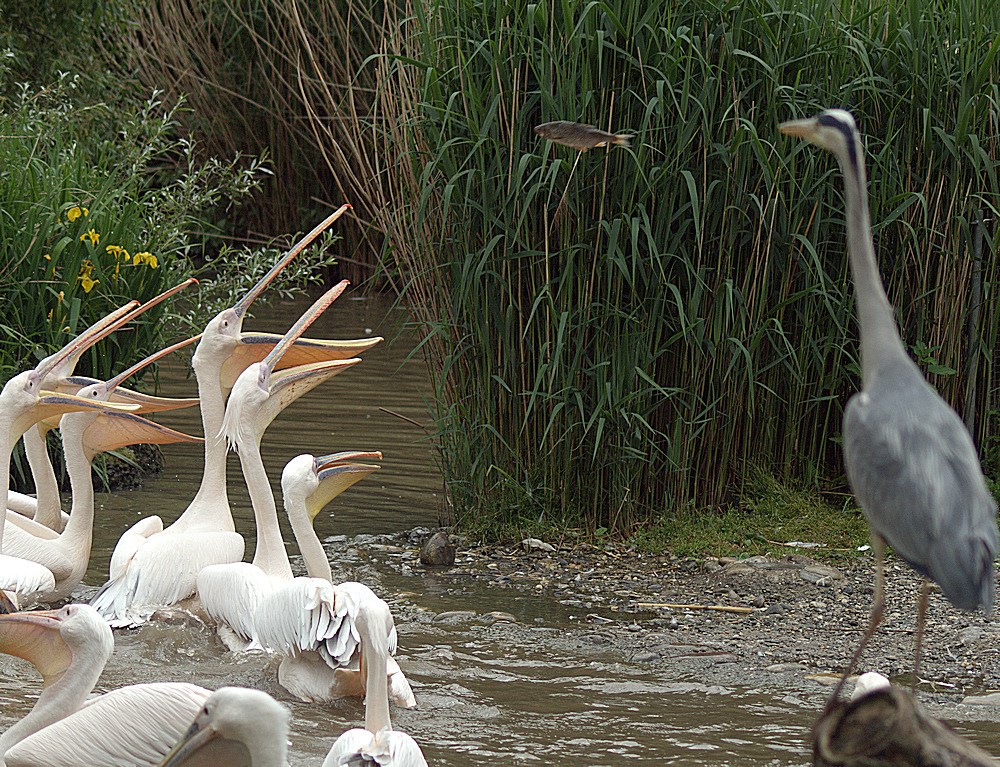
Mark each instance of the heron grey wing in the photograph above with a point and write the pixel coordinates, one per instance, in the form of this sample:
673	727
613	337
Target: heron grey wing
914	470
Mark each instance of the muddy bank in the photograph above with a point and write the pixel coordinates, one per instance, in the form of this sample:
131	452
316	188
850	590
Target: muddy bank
796	622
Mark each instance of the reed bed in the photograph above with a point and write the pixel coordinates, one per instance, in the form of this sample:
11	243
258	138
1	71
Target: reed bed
617	341
621	334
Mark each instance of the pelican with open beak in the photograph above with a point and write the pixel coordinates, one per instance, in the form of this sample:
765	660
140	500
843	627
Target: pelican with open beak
69	647
24	402
42	516
85	434
230	593
309	621
154	567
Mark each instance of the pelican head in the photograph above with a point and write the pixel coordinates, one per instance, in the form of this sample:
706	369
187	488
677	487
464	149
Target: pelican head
223	344
315	481
236	725
53	640
261	391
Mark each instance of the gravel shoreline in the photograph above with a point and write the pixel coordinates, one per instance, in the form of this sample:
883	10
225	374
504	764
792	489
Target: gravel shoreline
797	624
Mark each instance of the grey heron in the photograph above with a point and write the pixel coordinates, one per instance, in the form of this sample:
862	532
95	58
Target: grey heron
910	461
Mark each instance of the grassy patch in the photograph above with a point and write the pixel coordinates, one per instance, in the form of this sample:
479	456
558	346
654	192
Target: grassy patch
769	514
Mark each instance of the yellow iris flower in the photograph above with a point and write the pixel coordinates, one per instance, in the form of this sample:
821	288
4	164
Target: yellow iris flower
91	235
147	258
85	278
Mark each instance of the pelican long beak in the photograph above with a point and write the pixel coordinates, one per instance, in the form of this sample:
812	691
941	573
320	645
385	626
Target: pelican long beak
197	737
288	385
336	473
803	129
113	383
110	431
147	402
244	303
302	324
61	363
51	405
254	347
34	637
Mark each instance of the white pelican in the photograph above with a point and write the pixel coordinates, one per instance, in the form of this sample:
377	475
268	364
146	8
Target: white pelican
24	402
134	725
46	518
237	725
84	435
311	621
230	592
377	743
154	567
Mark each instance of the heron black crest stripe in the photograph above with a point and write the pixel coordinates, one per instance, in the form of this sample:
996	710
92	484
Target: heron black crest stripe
850	134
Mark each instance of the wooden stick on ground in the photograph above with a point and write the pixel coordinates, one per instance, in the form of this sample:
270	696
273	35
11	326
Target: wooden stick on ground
889	728
720	608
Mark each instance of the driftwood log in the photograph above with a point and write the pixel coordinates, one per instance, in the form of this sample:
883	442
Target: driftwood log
889	728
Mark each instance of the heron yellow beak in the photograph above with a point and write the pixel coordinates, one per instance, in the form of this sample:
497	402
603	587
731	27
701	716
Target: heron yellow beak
799	128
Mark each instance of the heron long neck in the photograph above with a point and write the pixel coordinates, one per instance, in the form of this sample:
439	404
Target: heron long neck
270	555
211	504
48	509
880	339
317	565
375	654
58	699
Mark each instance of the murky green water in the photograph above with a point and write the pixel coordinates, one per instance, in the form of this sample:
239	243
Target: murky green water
487	693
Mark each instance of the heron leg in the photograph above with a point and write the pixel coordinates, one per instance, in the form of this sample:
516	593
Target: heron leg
922	601
878	611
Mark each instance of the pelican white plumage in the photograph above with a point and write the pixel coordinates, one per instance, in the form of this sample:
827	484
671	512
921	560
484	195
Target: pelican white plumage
377	743
24	402
85	434
153	566
59	379
237	725
44	510
309	620
135	725
230	592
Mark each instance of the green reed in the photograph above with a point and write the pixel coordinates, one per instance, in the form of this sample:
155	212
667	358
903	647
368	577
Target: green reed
612	343
619	335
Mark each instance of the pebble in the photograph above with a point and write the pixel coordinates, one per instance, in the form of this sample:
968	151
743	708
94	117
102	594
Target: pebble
821	575
645	657
438	551
498	615
454	616
993	699
534	544
970	634
787	667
